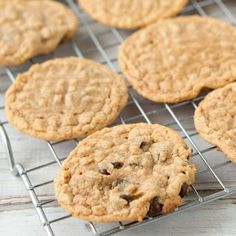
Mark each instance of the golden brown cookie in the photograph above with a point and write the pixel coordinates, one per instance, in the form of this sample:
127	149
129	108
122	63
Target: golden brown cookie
65	98
125	173
173	60
30	28
215	119
131	14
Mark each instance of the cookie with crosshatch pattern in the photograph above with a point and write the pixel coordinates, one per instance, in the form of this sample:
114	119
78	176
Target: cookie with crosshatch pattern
65	98
30	28
174	59
131	14
124	173
215	119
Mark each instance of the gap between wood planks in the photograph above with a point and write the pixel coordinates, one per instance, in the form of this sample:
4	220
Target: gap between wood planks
18	203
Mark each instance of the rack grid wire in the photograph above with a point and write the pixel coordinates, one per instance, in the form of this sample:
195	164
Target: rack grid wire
145	111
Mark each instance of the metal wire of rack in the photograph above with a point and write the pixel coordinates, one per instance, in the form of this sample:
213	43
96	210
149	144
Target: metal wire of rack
145	111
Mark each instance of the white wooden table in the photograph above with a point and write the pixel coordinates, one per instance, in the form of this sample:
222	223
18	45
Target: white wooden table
18	216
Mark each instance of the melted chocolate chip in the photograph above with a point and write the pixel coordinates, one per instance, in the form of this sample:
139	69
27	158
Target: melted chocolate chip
117	164
104	171
128	198
155	208
145	146
184	190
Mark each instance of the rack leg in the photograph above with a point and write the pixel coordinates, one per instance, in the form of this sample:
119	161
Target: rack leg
8	148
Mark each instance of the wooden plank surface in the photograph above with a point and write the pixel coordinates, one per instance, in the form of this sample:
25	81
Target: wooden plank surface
18	217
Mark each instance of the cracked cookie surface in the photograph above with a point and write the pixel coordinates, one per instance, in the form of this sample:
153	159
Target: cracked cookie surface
30	28
130	14
173	60
126	172
65	98
215	119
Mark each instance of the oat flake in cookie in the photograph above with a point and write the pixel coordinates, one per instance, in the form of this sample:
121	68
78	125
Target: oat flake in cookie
30	28
131	14
215	119
65	98
173	60
125	173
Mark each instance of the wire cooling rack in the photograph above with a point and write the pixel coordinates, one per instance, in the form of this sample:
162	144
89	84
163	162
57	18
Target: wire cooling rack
100	43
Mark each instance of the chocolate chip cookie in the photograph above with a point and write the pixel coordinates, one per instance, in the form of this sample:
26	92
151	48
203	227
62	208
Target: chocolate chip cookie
65	98
30	28
126	172
215	119
173	60
130	14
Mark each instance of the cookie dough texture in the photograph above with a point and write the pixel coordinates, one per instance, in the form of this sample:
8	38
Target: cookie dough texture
65	98
215	119
30	28
130	14
125	173
173	60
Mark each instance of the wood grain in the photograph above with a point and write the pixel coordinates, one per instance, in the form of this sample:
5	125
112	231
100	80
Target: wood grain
215	219
17	215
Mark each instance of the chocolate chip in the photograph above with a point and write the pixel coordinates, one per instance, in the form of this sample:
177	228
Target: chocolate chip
145	146
104	171
128	198
184	190
155	208
117	164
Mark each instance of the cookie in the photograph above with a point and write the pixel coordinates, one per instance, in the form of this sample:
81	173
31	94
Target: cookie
215	119
173	60
131	14
65	98
30	28
124	173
